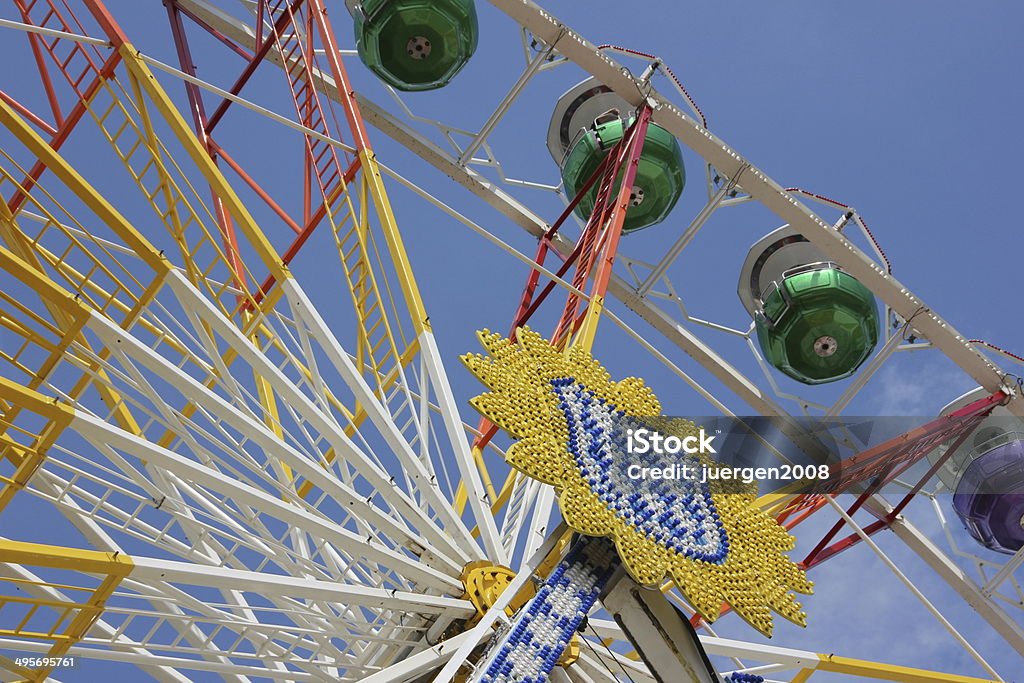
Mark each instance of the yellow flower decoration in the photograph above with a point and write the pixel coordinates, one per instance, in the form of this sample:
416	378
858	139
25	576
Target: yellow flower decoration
568	418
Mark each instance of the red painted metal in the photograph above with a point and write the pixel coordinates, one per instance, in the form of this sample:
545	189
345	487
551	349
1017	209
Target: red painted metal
962	425
346	93
326	176
528	304
876	467
28	114
912	446
603	256
304	234
44	72
283	20
227	42
597	245
55	18
256	187
199	124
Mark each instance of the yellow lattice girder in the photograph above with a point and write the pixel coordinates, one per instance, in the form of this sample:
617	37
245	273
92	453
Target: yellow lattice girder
52	294
28	458
73	619
98	204
890	672
82	189
393	238
70	322
375	186
118	223
144	78
364	289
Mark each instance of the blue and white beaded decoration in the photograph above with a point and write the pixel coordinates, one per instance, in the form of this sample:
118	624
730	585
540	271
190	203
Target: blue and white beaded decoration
541	631
678	513
744	678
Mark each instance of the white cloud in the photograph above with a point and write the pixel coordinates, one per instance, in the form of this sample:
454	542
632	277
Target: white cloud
922	389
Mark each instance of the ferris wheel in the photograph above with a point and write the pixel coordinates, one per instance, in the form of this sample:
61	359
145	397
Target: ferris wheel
237	445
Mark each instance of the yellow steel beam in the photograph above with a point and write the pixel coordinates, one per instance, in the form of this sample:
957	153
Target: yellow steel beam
52	294
461	497
112	566
372	176
200	157
69	318
10	665
58	557
28	458
50	408
889	672
81	188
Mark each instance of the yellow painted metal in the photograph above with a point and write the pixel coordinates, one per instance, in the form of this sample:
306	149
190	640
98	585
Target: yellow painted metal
28	262
25	450
375	183
588	329
59	557
889	672
67	618
32	252
504	495
803	676
77	184
146	81
396	247
379	347
143	157
68	318
555	556
500	499
484	583
774	503
351	234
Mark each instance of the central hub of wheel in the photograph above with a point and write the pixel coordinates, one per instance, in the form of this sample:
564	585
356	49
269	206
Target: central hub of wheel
484	584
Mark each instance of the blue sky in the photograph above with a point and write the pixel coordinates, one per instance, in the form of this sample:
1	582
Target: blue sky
908	111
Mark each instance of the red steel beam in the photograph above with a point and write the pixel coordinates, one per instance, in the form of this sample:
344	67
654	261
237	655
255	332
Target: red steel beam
624	155
301	238
67	125
967	418
261	52
199	124
28	114
227	42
